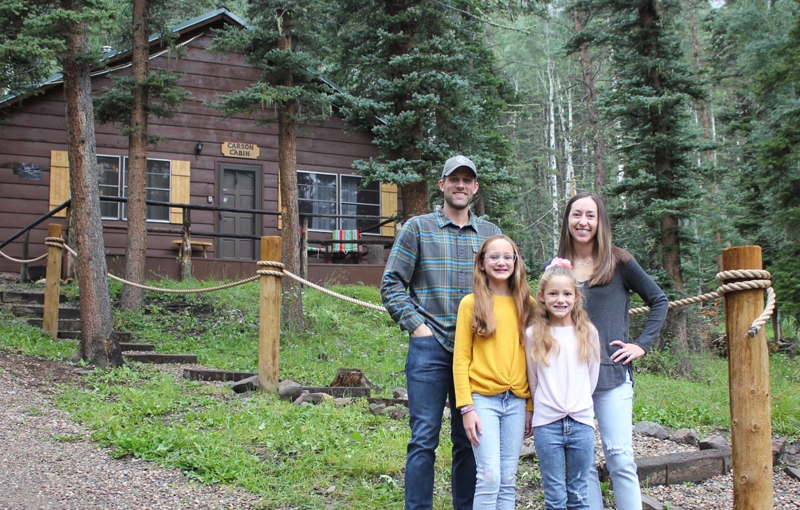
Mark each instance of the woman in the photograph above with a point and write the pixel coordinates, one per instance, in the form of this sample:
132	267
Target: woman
608	273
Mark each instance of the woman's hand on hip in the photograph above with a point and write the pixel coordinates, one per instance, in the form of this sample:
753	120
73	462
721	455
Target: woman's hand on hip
626	352
472	426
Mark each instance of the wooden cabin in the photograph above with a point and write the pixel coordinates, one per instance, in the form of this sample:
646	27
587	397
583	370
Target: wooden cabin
205	159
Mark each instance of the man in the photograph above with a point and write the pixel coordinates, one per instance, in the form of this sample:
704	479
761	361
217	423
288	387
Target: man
432	259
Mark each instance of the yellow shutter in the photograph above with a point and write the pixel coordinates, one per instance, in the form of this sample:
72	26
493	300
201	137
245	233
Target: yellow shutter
388	206
179	189
280	218
59	180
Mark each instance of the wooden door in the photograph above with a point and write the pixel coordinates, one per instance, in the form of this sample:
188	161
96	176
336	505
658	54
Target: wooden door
239	191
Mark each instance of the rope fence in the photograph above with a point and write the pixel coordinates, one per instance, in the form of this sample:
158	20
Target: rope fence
750	279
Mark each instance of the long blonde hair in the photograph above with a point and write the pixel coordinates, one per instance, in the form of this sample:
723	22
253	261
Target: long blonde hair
483	320
606	255
542	342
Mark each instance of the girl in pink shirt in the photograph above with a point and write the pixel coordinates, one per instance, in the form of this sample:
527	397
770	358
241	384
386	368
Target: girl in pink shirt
563	364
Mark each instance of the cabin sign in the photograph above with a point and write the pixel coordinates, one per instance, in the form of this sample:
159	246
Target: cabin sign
240	150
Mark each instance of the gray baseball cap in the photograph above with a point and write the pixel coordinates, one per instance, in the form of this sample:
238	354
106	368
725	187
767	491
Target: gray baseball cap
456	162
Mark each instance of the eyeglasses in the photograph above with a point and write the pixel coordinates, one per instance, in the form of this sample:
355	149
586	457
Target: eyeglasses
506	257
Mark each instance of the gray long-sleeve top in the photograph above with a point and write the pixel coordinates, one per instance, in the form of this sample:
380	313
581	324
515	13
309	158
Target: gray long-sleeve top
607	306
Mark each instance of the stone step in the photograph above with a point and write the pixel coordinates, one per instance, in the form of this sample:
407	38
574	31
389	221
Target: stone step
23	297
157	357
63	324
33	310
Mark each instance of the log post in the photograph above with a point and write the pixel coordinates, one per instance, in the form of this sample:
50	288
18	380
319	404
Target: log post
186	246
748	369
23	270
52	284
269	329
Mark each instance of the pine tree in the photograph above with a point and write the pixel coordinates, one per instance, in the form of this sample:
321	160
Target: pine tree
287	41
420	78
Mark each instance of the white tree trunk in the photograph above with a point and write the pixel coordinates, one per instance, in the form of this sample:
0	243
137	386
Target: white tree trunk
566	134
553	164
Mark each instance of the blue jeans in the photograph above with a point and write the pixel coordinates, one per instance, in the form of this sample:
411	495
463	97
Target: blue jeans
502	419
565	449
614	411
429	377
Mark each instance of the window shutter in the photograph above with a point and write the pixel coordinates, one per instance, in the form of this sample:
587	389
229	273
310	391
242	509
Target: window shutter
388	206
59	180
179	189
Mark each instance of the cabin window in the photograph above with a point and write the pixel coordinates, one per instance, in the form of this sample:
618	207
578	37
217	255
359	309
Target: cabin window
358	199
317	194
108	167
158	185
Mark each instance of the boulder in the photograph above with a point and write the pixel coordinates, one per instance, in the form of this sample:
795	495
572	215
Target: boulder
289	389
397	412
778	448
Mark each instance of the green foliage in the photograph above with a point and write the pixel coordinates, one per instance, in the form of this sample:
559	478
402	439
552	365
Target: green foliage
420	78
18	337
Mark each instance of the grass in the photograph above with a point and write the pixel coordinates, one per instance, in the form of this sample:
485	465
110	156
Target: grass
316	456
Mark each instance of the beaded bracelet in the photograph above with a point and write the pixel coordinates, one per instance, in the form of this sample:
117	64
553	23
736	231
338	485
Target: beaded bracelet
467	409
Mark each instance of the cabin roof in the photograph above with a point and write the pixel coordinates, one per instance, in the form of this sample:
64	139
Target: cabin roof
116	60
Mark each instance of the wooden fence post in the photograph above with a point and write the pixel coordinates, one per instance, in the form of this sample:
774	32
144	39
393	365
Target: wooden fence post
269	329
52	284
748	369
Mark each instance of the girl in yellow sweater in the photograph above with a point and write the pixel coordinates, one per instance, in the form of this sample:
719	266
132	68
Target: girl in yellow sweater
489	369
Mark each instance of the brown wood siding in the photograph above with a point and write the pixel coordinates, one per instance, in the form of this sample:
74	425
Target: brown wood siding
37	126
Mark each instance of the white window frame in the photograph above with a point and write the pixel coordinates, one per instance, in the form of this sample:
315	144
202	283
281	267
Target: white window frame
119	182
341	202
124	187
335	200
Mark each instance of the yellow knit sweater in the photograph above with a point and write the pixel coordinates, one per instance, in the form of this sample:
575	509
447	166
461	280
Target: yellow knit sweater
489	365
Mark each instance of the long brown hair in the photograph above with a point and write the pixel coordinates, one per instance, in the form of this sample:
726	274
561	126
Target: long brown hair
483	320
542	342
606	255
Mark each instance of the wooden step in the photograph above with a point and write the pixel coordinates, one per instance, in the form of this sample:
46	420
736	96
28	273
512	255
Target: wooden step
122	336
33	310
63	324
157	357
26	297
208	374
137	347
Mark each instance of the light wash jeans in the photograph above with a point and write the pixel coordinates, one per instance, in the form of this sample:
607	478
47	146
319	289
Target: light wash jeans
429	377
503	423
614	411
565	449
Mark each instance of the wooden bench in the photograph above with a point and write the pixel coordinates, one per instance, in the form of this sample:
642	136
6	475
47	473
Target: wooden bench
198	244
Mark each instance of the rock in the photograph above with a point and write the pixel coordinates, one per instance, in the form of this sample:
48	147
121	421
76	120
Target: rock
397	412
342	402
289	389
400	393
527	451
249	384
792	472
686	436
377	408
778	448
650	429
446	413
714	443
649	503
314	398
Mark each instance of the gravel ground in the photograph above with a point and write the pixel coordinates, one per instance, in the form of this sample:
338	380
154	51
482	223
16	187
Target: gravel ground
49	462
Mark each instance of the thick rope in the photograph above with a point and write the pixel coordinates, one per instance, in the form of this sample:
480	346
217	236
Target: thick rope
349	299
21	261
760	280
184	291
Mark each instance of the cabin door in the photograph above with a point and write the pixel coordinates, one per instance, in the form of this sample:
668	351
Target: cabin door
239	191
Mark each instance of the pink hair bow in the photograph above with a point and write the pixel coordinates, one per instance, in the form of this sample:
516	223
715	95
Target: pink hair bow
559	262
